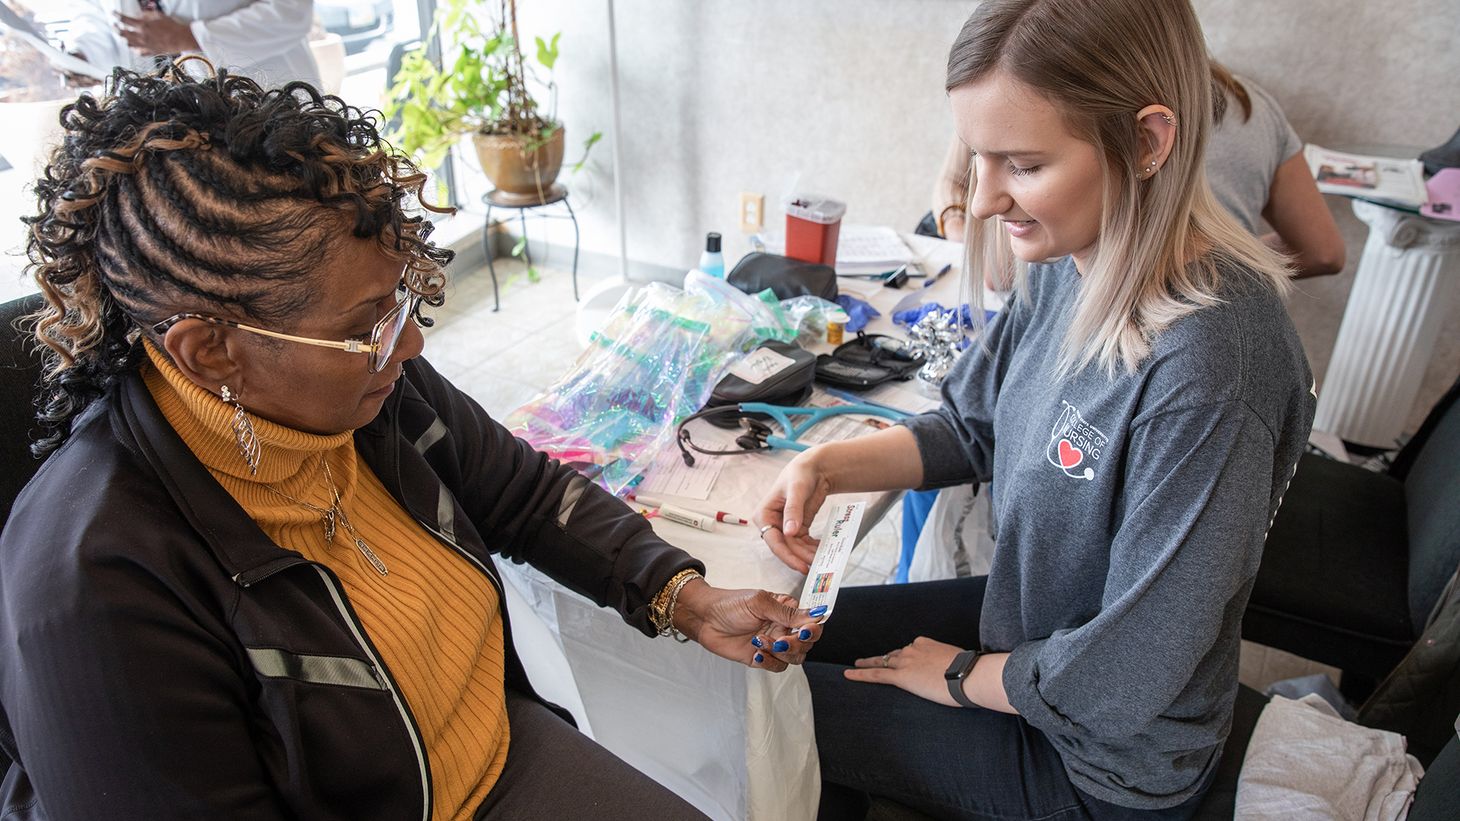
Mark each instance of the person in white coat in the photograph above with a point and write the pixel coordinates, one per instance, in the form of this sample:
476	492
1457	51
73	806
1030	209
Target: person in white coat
267	40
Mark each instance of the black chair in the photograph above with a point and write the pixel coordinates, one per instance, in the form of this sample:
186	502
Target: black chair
20	373
1356	560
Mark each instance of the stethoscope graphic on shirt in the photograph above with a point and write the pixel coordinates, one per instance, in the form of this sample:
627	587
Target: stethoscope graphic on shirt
1073	442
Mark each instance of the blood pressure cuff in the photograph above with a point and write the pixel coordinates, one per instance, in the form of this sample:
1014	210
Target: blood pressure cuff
787	277
868	360
776	373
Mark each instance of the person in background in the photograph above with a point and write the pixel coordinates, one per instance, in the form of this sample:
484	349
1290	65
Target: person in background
1256	169
267	40
1139	404
254	578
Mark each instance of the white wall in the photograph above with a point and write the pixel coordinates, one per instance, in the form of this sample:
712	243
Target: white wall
721	97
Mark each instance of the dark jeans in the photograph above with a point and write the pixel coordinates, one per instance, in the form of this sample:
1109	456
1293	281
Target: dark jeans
554	772
947	762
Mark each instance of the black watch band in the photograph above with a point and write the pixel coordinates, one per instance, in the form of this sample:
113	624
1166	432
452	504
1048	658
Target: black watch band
958	671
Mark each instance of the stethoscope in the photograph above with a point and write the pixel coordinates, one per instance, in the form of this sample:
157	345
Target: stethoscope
759	436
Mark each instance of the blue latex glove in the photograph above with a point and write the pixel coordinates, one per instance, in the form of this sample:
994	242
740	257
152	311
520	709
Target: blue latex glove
910	317
860	312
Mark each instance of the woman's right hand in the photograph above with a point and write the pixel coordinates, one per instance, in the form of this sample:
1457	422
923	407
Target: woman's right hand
789	508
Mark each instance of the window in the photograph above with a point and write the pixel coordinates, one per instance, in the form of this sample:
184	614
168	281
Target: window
352	41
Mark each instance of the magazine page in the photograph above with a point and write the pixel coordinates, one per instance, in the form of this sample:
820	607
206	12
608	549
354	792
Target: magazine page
1355	175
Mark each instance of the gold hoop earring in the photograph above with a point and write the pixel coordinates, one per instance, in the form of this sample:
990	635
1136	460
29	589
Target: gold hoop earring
243	432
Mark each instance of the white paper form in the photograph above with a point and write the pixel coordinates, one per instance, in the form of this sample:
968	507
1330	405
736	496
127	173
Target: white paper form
670	476
829	567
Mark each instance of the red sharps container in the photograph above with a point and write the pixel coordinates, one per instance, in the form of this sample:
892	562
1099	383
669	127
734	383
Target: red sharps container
812	226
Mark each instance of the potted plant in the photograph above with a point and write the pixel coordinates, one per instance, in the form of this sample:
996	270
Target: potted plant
484	88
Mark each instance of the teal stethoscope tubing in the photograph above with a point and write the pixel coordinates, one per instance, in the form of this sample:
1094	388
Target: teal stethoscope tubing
783	414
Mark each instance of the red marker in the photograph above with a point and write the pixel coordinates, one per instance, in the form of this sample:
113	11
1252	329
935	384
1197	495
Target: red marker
720	515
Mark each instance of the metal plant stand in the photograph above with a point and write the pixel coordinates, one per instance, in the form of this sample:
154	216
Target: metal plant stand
540	209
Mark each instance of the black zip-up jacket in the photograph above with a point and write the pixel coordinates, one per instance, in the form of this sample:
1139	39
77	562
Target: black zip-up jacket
161	658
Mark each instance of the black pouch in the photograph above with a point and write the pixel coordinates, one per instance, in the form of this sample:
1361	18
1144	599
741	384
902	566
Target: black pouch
782	383
868	360
787	277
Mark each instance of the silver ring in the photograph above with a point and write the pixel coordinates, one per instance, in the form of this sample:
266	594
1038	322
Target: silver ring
886	659
764	529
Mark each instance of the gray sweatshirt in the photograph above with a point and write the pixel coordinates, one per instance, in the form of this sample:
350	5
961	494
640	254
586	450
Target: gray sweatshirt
1131	515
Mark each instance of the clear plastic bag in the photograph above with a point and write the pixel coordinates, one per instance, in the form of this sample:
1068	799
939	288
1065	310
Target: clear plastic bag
654	362
810	315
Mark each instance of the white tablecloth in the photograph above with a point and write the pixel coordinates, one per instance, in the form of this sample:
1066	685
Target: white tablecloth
736	742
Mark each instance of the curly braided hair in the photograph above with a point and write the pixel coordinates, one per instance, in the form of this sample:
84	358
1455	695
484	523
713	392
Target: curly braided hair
174	193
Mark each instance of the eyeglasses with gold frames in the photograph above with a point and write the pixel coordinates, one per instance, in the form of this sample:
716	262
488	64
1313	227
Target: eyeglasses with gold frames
381	345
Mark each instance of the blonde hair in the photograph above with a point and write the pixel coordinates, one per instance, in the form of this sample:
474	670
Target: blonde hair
1164	242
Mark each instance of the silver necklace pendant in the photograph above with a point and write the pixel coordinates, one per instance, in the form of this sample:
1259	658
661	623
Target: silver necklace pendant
370	556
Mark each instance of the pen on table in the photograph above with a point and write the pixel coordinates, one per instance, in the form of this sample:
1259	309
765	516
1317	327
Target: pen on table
666	510
935	277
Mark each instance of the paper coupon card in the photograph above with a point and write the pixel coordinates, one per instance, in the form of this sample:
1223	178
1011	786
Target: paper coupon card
829	567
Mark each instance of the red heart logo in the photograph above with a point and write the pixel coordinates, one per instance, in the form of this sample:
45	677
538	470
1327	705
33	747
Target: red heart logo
1069	454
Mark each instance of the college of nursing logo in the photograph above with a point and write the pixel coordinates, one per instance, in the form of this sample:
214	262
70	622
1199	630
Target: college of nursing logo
1074	444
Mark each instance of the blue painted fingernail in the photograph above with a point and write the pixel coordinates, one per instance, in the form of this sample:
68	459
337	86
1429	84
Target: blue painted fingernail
804	634
781	646
759	658
755	640
818	610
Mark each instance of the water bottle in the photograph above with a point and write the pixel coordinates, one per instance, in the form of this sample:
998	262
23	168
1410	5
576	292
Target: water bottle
711	261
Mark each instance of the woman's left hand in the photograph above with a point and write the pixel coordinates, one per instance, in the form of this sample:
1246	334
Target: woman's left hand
917	668
753	627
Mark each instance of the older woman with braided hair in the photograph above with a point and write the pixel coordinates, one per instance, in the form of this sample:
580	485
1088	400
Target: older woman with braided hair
254	577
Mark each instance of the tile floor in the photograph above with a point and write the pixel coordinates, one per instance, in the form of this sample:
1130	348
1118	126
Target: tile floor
503	359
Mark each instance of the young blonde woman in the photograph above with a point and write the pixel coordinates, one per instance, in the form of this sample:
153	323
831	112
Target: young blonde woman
1255	165
1139	404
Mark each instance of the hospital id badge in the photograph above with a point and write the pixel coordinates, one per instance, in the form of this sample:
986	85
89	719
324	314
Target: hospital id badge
829	567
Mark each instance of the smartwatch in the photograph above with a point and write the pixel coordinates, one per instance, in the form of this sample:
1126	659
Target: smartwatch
958	671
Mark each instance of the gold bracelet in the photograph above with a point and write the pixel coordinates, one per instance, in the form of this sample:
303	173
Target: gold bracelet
661	608
944	213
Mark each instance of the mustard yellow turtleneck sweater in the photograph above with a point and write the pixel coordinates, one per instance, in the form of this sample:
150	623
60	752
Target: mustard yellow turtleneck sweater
433	617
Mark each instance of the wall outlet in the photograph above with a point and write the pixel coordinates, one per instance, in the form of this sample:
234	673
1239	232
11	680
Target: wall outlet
752	212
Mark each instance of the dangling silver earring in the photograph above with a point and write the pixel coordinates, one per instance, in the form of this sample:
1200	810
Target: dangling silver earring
243	433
